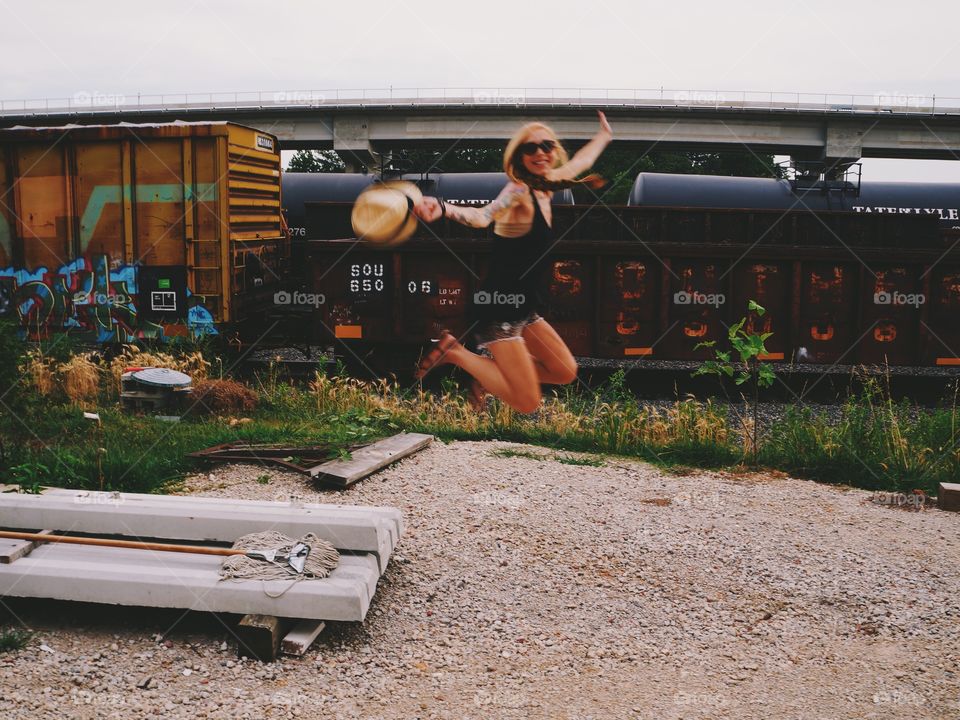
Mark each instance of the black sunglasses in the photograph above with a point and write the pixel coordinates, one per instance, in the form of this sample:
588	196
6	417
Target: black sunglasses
529	148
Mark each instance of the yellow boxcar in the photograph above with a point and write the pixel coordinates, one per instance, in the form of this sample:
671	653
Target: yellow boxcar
116	232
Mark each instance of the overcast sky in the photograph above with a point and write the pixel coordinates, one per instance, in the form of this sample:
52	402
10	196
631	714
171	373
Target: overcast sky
108	47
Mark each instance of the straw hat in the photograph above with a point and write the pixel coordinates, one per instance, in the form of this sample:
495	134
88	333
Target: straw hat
383	213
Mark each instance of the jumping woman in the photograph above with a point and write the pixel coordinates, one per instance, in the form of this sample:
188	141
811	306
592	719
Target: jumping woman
525	351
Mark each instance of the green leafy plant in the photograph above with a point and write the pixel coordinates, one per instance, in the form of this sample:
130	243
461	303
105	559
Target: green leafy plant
14	639
749	346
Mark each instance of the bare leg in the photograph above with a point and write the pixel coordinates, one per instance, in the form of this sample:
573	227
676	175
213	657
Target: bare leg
511	375
554	361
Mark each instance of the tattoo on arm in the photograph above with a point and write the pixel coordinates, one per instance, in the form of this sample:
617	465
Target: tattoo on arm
503	201
463	215
482	217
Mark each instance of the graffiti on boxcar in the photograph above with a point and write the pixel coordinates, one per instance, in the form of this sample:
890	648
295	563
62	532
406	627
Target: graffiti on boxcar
103	195
565	281
827	287
88	297
950	291
631	282
760	275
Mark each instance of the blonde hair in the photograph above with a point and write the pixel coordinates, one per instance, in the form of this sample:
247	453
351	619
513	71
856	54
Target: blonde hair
514	168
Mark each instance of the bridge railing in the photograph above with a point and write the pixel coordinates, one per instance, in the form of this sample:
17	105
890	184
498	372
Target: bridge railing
87	103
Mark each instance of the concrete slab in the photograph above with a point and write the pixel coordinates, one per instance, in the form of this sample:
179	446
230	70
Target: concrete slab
223	520
94	497
118	576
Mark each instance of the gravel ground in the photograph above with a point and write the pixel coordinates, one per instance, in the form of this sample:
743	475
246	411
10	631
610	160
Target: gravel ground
530	588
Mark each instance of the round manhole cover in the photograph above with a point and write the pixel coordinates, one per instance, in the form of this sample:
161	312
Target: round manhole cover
162	377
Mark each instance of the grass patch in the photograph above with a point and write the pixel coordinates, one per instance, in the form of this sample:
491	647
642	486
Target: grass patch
877	444
511	453
581	460
14	639
565	458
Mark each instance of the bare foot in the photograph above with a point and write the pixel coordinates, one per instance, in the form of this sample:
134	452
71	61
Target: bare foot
443	352
477	396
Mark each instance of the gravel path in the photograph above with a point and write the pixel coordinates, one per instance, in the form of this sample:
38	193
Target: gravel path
530	588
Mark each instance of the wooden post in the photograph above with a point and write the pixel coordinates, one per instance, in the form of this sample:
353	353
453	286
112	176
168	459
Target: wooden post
948	497
259	636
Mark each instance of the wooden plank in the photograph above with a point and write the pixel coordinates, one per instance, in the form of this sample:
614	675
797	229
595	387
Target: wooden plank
104	513
119	576
367	460
301	637
12	550
948	497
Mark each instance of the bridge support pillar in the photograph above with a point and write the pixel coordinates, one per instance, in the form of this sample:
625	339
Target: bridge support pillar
351	141
842	147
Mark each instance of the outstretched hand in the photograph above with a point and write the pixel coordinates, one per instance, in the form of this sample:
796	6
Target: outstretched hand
604	125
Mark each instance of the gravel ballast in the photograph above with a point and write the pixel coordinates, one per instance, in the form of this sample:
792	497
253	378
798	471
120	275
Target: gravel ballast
532	588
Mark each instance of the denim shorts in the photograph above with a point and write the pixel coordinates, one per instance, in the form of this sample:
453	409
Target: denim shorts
507	330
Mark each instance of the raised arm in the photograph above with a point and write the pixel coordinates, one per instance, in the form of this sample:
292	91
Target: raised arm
472	216
586	156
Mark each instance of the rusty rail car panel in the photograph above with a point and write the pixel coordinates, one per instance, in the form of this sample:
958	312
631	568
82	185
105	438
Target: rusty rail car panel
769	284
890	300
695	308
627	296
126	231
653	282
828	327
941	328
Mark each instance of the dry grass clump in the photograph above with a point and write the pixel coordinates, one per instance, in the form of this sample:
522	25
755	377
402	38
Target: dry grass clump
193	364
613	425
223	397
39	371
81	378
78	377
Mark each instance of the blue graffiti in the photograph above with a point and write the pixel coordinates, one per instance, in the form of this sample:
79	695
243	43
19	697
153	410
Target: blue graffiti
86	295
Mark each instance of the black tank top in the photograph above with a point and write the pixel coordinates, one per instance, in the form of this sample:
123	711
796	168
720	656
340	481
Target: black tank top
512	288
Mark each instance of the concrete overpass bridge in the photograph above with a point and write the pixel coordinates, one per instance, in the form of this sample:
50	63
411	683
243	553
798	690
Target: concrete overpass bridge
821	132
